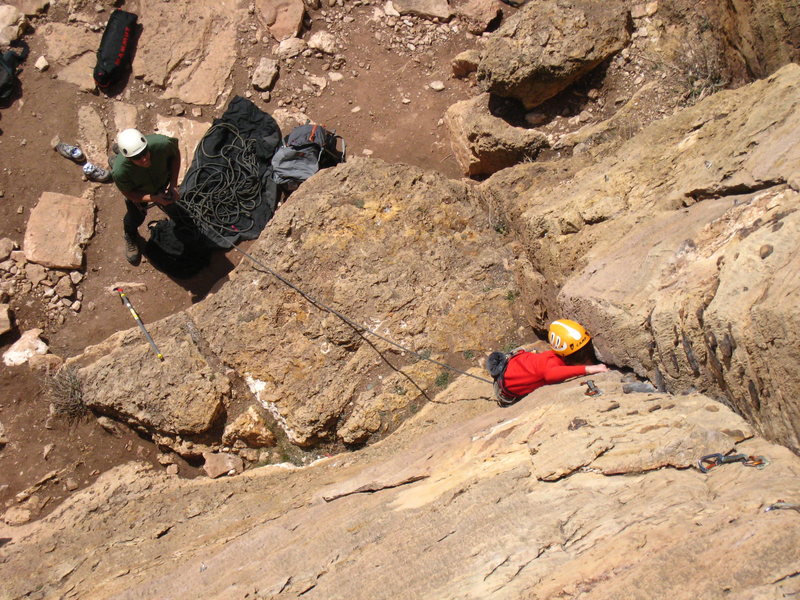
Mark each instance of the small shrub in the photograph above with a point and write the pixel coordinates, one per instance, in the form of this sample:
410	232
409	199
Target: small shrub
469	354
443	379
65	392
512	295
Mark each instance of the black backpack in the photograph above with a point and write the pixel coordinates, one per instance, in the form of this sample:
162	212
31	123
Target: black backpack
115	54
175	250
306	150
8	74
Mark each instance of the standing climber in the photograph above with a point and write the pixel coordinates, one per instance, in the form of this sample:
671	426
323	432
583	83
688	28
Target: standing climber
518	374
146	172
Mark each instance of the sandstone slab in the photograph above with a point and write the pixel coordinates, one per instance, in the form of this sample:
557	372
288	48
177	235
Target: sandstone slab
484	144
66	43
546	46
196	63
93	135
58	229
428	9
478	14
79	72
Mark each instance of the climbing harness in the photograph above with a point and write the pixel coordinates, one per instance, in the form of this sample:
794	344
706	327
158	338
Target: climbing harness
710	461
591	388
127	303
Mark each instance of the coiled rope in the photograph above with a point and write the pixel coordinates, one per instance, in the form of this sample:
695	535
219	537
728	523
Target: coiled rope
223	189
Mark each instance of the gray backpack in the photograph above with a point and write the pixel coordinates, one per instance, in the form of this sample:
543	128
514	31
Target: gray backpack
306	150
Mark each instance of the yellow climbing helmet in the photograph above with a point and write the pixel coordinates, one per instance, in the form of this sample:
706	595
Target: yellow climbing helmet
567	336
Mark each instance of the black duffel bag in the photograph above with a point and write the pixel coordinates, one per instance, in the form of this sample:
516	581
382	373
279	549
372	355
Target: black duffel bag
115	54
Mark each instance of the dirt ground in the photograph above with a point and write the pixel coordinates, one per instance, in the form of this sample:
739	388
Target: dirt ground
55	457
386	109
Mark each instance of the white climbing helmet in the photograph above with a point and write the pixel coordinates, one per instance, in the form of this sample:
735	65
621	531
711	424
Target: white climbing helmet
131	142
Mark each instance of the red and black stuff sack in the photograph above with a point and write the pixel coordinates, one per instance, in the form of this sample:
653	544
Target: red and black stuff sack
116	48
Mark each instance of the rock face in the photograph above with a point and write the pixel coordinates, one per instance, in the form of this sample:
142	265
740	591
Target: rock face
682	249
316	376
58	229
548	45
523	502
485	144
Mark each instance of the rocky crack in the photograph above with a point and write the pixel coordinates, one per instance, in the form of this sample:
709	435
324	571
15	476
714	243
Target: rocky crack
721	191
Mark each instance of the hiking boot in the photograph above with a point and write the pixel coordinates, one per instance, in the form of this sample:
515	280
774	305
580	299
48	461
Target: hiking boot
71	152
132	252
95	173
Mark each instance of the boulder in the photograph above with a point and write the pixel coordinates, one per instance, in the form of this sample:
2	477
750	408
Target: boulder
251	428
191	59
28	345
265	74
484	144
291	47
478	14
6	323
221	463
45	363
289	118
324	41
306	367
12	24
283	18
7	246
687	275
427	9
58	229
465	62
180	396
546	46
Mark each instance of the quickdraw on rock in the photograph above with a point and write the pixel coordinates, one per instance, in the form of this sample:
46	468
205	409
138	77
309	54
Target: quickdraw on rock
591	388
710	461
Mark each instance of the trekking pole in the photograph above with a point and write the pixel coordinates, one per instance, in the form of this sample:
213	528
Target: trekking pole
127	303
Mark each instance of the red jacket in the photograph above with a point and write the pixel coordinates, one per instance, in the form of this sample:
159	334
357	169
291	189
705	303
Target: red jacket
528	371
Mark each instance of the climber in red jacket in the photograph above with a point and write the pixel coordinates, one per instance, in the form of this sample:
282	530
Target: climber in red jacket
518	374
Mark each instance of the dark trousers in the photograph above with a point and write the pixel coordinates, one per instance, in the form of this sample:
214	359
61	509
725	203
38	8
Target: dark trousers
135	216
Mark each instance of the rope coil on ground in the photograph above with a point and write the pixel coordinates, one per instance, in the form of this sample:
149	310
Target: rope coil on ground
223	188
